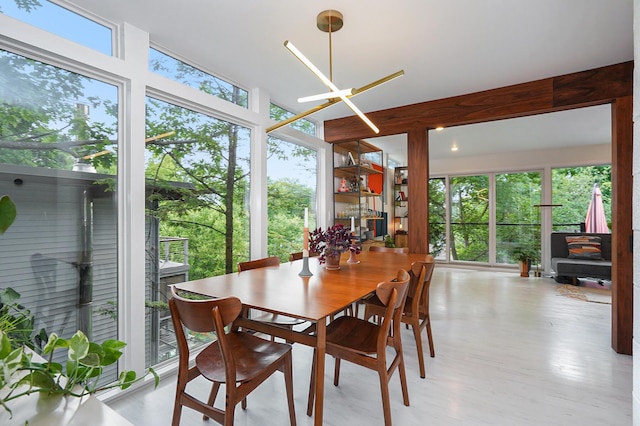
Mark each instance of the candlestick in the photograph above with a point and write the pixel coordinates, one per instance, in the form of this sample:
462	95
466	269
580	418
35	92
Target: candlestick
305	241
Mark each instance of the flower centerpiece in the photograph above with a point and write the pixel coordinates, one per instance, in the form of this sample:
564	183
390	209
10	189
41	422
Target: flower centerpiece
331	243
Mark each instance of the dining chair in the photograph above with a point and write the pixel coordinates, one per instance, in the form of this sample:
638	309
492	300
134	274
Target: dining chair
416	307
390	249
236	359
298	255
365	343
267	317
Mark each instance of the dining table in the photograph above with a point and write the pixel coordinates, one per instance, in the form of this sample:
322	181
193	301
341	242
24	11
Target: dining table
316	298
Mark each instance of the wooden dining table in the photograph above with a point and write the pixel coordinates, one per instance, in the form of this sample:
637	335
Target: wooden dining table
281	290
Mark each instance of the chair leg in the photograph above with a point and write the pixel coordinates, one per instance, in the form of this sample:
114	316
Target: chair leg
415	325
336	372
312	386
403	381
288	382
212	396
177	405
384	390
229	414
432	350
177	411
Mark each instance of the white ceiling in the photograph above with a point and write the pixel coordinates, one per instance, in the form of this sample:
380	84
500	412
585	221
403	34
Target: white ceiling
445	47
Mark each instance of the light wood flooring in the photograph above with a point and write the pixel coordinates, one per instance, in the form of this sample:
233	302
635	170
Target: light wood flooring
509	351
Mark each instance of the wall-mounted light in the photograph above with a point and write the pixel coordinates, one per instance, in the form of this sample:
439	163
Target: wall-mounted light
454	147
439	129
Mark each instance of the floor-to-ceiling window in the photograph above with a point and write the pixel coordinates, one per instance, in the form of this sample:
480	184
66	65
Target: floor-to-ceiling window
469	231
438	218
291	187
517	215
198	170
58	156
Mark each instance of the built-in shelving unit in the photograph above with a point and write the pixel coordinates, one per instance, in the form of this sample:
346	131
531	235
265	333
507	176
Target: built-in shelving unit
358	186
400	205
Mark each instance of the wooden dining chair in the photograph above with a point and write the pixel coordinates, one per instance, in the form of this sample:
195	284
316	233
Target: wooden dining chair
267	317
259	263
298	255
416	307
365	343
236	359
390	249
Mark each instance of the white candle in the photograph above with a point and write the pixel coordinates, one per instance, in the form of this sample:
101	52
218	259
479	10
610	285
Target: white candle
353	225
306	217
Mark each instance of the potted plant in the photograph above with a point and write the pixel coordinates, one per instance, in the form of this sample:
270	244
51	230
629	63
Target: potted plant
523	255
24	372
331	243
388	241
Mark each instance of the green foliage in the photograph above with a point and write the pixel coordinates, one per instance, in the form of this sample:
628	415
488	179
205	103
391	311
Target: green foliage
21	376
16	322
388	241
437	216
39	126
469	218
572	187
8	213
27	5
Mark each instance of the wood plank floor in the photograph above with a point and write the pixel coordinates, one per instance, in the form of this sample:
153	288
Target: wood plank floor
509	351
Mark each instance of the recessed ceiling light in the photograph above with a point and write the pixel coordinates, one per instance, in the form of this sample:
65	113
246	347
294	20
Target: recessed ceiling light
454	147
439	129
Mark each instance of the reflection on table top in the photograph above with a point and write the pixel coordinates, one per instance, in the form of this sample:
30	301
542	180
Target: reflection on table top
281	290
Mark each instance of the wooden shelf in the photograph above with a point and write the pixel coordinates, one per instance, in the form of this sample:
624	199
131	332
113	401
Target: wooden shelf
367	172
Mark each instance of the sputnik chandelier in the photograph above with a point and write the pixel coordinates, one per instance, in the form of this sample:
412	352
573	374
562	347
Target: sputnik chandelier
330	21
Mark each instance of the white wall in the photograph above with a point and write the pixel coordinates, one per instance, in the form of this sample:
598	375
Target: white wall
523	160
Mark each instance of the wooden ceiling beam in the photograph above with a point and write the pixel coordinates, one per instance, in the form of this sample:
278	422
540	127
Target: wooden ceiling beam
586	88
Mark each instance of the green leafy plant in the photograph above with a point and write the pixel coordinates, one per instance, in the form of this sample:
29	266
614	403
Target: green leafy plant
8	213
21	375
524	254
79	377
388	241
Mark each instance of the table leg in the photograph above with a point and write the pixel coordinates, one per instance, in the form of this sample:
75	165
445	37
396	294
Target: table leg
321	334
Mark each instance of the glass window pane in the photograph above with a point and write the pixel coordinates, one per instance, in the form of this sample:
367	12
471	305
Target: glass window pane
58	140
60	21
292	183
197	170
517	218
572	187
469	218
188	75
437	218
303	125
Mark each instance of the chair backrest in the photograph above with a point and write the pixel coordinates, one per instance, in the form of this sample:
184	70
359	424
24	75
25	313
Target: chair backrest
390	249
258	263
393	295
421	272
203	316
298	255
196	314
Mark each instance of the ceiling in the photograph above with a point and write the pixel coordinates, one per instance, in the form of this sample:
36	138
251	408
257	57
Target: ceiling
445	47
